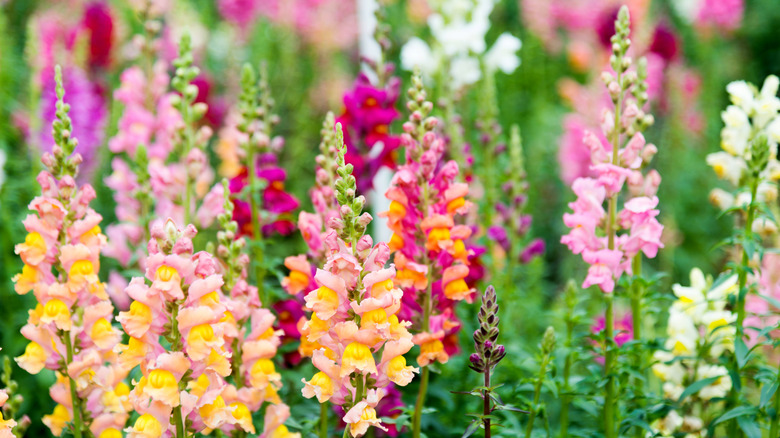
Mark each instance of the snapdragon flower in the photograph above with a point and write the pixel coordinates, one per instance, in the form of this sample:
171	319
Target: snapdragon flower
700	331
355	323
183	383
459	30
70	330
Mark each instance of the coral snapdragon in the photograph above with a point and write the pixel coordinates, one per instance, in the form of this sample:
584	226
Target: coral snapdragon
354	320
428	244
70	330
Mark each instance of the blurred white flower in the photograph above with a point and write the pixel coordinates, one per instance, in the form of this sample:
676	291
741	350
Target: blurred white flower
503	55
464	70
717	389
727	166
416	54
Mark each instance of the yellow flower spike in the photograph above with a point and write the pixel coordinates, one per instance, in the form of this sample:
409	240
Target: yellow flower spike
57	420
396	243
81	268
211	413
437	235
455	204
372	318
243	416
146	426
162	386
320	386
25	281
357	357
262	372
200	340
211	299
218	362
57	311
381	288
102	333
166	273
456	289
267	334
110	433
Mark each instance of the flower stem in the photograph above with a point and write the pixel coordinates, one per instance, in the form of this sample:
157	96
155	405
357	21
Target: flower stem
566	397
529	428
256	230
774	429
609	358
324	420
486	402
637	294
177	418
75	401
417	421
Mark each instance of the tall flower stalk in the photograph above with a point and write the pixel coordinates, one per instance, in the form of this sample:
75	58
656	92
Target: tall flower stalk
428	244
489	352
547	348
354	315
70	330
616	163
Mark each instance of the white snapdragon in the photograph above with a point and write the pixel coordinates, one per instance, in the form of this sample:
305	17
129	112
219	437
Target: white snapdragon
700	330
459	49
752	112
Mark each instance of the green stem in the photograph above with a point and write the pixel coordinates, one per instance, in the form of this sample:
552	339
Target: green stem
256	229
529	428
609	359
177	419
417	421
566	398
75	400
774	429
734	429
486	402
324	420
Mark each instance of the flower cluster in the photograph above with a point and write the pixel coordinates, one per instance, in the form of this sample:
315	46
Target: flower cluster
489	353
182	384
368	112
157	124
753	113
430	254
459	31
700	331
624	328
314	229
249	336
513	224
70	330
615	165
354	318
247	137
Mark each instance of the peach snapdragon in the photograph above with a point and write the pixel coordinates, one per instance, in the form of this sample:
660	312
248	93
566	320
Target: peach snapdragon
354	321
70	330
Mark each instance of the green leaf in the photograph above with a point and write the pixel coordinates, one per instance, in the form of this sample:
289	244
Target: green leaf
695	387
741	351
473	427
750	427
739	411
767	391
